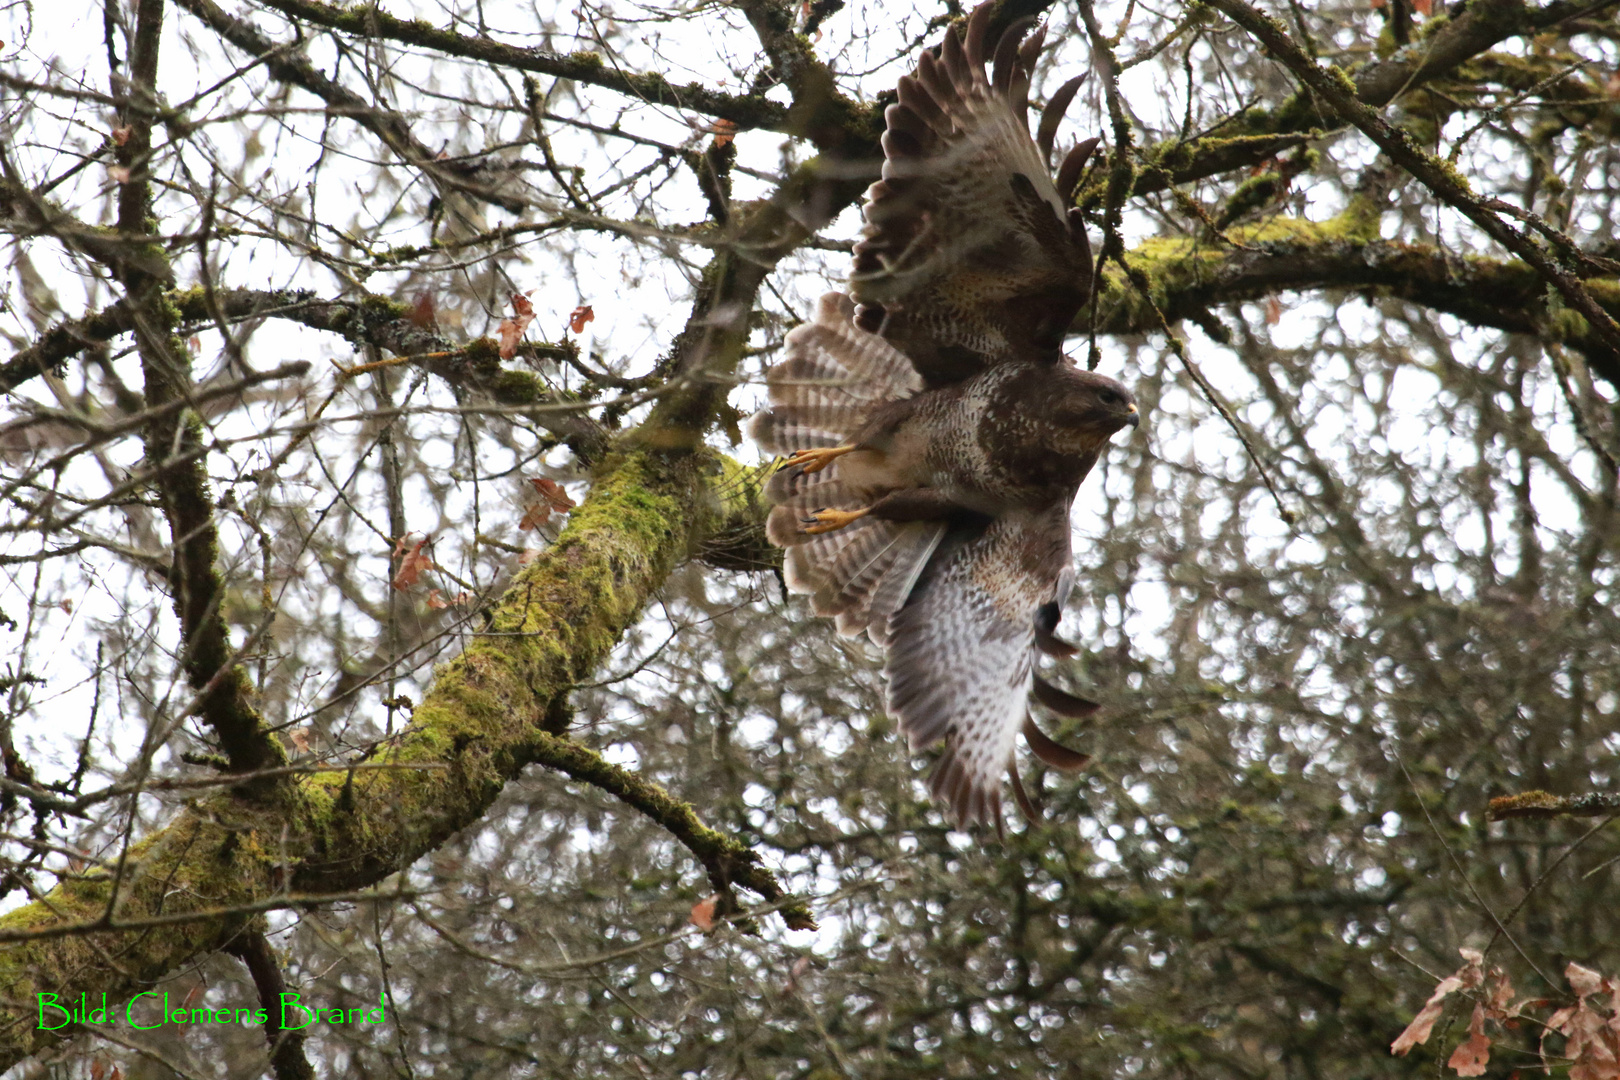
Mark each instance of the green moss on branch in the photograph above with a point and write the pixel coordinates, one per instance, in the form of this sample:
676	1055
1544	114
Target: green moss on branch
492	711
1187	276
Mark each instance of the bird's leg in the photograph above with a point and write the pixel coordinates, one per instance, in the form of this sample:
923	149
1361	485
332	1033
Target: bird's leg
907	504
919	504
813	461
826	521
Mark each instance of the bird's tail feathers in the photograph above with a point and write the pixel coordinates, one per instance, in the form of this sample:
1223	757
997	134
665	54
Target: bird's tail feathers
861	573
831	376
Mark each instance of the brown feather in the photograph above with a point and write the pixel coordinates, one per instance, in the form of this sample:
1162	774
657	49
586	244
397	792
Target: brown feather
914	97
1062	702
1052	116
1026	805
1046	640
978	27
936	82
955	59
1074	163
1054	754
1030	50
1004	66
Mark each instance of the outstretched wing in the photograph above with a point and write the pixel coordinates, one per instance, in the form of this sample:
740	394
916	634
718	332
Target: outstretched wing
962	650
970	255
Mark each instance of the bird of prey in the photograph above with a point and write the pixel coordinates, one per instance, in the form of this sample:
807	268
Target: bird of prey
936	433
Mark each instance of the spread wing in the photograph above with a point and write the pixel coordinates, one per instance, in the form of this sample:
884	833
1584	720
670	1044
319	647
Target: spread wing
962	651
970	255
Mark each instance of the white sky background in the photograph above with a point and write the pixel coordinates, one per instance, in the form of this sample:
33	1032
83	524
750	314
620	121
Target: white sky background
641	296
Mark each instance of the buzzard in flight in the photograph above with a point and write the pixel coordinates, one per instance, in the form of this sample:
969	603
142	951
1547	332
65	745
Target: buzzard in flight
937	435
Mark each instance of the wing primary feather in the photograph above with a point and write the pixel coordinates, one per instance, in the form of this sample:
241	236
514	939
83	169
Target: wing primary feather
898	142
1046	621
1055	754
1026	805
1068	178
1031	49
955	58
1077	233
1004	67
869	317
1018	93
936	82
902	117
915	96
978	26
1062	702
1052	116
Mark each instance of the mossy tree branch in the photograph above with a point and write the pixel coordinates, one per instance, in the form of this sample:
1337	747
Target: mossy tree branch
1285	255
492	711
392	129
174	436
1337	90
368	321
1440	47
746	111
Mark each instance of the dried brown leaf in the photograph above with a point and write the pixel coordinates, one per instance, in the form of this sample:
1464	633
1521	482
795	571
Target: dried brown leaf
413	561
1422	1026
1592	1040
1418	1031
425	312
1583	980
1474	1052
555	494
703	912
510	331
534	516
583	314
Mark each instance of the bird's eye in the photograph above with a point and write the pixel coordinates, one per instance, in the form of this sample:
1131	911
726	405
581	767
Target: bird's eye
1109	397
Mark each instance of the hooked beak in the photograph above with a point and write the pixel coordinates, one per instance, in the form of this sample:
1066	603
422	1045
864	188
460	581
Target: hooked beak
1135	418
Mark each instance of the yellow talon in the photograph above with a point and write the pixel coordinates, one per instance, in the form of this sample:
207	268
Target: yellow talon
813	461
826	521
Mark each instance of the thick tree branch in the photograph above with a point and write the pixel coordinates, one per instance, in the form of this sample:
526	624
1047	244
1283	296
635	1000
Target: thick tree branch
174	437
1286	255
286	1046
33	216
1541	804
371	321
751	111
288	65
1336	89
491	712
1255	135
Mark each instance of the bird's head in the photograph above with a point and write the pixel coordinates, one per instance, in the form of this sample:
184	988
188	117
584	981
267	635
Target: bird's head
1086	408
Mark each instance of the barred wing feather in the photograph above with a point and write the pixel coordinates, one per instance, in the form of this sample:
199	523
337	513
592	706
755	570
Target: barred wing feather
970	256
